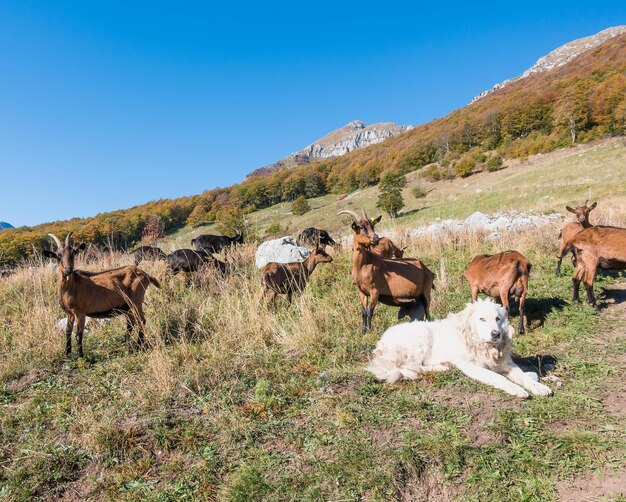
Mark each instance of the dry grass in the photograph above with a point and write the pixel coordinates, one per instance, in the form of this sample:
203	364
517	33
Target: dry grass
234	401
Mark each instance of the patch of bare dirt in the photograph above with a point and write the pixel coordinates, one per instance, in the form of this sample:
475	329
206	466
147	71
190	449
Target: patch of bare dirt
26	381
592	487
427	486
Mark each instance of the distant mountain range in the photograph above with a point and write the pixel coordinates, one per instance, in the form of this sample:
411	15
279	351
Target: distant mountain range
353	136
560	56
4	224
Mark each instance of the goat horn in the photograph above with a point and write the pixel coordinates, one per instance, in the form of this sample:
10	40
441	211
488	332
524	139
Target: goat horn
586	202
351	213
67	239
56	240
365	214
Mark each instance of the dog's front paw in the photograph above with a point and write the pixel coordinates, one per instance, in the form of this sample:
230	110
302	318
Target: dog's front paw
540	389
516	390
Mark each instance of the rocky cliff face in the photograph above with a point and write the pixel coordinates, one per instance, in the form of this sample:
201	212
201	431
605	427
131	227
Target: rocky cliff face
560	56
352	136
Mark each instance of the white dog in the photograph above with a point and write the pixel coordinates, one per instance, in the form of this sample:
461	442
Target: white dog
477	340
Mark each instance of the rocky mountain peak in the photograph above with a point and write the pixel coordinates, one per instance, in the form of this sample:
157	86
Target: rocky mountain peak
352	136
560	56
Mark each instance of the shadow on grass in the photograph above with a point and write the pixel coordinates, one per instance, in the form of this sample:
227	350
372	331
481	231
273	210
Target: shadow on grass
614	296
539	364
537	309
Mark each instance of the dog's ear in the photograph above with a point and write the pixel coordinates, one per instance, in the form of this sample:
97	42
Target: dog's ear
465	325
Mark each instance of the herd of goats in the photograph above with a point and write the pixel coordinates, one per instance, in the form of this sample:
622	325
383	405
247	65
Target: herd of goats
379	271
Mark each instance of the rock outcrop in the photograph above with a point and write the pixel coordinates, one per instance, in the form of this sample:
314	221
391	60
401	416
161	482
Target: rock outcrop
352	136
560	56
282	250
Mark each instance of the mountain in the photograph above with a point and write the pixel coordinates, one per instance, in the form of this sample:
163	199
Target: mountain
353	136
4	224
560	56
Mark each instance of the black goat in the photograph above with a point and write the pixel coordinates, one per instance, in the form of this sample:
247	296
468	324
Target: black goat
215	243
148	253
315	236
188	260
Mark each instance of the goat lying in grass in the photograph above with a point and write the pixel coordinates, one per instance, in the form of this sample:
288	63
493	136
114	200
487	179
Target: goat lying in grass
477	341
98	294
289	278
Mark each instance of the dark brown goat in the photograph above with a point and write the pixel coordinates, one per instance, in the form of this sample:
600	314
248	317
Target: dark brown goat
500	276
98	294
289	278
596	248
569	230
398	283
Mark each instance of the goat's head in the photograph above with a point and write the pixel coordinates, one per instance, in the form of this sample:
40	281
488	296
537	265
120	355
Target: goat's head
363	228
65	253
582	212
318	255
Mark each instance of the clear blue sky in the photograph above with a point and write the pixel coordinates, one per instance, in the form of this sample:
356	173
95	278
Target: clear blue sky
105	105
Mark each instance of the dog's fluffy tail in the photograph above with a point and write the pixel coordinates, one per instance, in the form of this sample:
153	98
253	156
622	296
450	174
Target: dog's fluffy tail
392	367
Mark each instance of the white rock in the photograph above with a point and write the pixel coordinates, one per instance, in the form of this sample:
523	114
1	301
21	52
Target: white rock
282	250
477	220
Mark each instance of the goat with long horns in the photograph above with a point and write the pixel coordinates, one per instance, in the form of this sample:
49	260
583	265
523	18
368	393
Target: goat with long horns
82	294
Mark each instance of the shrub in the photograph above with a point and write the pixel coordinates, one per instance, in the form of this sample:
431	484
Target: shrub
418	192
465	166
495	162
300	206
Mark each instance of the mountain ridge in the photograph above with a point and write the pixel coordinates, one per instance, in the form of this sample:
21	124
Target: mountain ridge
352	136
559	57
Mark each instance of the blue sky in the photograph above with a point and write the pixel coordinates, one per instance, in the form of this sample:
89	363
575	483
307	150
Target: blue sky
106	105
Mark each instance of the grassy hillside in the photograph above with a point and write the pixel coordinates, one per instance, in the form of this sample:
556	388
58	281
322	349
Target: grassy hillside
541	183
233	401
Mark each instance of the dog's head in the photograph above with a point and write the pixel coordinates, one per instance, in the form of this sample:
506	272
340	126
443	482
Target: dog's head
487	322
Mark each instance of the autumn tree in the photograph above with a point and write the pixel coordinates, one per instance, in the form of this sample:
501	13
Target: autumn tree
153	229
390	198
197	216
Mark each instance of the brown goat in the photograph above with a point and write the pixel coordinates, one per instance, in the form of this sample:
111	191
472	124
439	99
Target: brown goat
594	248
387	249
500	276
290	278
571	229
98	294
398	283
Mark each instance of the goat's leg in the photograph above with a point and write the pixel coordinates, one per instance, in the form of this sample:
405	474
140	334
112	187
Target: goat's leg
140	324
370	310
68	334
579	274
522	301
588	280
474	288
80	330
364	310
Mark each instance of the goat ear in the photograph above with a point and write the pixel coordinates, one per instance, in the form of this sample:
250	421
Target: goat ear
50	254
82	247
570	209
377	220
593	206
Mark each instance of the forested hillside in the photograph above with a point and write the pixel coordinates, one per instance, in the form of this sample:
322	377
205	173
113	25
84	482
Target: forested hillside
576	103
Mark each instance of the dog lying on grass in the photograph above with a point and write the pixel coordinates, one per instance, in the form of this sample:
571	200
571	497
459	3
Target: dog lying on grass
477	341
